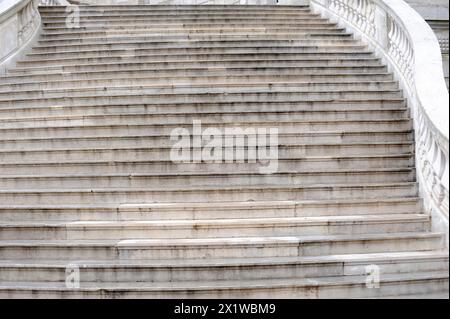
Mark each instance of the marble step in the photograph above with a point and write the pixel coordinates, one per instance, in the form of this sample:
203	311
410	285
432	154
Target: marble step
183	179
279	113
14	112
244	48
120	95
279	73
220	193
139	167
199	41
163	136
239	247
149	85
216	210
171	8
193	37
86	22
219	270
216	228
127	153
198	29
137	56
143	62
434	283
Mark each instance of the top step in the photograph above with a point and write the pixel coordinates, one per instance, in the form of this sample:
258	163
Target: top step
200	8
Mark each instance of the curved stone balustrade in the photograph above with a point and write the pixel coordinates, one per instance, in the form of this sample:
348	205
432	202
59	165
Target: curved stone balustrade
412	51
19	26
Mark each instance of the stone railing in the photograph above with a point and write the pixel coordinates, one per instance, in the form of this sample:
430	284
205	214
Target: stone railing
20	24
408	45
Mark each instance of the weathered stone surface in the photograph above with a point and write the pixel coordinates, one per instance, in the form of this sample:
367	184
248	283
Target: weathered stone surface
87	181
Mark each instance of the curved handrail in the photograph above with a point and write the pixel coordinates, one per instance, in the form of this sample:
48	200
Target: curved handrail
10	7
20	24
410	48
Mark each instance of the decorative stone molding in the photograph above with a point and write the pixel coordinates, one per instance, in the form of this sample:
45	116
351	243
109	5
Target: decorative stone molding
20	24
410	48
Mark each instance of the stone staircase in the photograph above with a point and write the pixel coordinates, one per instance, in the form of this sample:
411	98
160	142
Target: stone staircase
86	177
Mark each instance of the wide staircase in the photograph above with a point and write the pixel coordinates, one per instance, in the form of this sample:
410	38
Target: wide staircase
87	181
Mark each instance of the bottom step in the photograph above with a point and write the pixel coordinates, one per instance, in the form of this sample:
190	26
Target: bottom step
224	269
438	295
325	287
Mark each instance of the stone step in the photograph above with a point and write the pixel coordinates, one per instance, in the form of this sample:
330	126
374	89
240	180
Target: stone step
199	44
221	193
181	179
181	14
220	66
280	113
240	247
113	22
302	24
259	23
433	283
198	29
153	84
244	48
175	11
189	62
130	107
171	8
277	246
204	70
158	38
379	130
216	210
120	95
136	56
437	295
161	138
145	11
299	27
161	145
164	7
72	88
140	167
229	228
214	77
128	153
224	269
177	15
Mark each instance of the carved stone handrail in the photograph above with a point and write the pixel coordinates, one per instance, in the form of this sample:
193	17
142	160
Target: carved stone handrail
410	48
20	24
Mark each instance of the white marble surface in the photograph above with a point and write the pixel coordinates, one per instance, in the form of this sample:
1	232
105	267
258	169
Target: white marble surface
408	44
